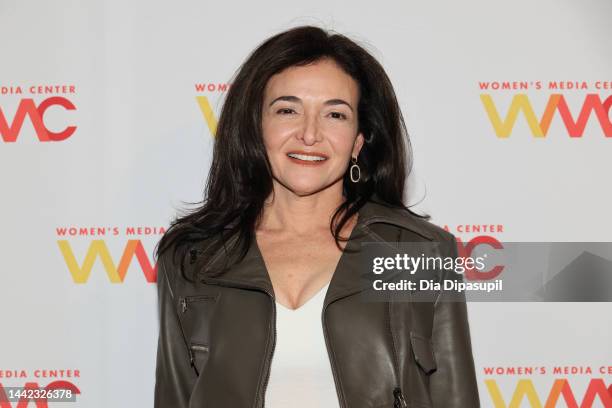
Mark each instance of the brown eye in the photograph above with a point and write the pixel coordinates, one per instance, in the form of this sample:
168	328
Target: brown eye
285	111
338	115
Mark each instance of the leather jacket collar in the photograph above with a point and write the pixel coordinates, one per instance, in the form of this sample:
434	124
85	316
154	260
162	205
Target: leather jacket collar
251	272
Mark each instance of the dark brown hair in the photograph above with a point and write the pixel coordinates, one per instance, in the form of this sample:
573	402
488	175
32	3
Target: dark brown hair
240	177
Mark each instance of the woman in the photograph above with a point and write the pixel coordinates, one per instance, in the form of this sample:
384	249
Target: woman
310	149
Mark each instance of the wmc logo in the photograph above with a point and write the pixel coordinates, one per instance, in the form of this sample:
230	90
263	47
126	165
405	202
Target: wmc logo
574	124
204	104
28	108
207	112
116	272
96	237
560	394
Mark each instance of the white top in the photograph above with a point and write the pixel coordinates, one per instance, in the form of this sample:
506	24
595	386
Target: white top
300	372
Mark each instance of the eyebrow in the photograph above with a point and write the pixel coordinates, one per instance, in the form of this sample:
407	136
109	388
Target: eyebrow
291	98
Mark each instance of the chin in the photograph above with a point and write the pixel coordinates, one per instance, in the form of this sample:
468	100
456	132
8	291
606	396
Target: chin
305	187
306	191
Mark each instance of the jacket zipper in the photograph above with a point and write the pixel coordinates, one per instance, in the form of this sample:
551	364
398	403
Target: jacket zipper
327	345
329	354
184	301
199	347
269	362
216	281
399	402
192	361
195	347
398	396
192	347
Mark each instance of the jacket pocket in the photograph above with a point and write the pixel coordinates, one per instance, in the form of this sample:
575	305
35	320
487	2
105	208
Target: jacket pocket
191	302
422	348
196	313
199	354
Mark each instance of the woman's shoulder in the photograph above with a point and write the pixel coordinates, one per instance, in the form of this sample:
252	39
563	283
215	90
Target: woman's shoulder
407	219
186	260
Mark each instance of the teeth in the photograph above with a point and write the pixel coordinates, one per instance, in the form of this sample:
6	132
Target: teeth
305	157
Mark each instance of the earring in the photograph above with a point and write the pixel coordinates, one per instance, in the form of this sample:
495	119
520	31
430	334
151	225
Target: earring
355	167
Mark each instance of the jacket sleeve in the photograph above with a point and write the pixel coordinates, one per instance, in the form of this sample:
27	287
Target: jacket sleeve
174	376
453	384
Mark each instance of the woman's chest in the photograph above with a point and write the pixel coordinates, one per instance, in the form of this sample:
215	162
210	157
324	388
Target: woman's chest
298	268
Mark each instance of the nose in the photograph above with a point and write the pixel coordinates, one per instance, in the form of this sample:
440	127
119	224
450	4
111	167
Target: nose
310	132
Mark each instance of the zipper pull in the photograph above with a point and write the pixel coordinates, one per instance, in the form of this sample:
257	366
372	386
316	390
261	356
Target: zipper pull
183	305
400	402
192	361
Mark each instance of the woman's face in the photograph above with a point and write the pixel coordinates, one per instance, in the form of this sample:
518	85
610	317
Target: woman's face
310	126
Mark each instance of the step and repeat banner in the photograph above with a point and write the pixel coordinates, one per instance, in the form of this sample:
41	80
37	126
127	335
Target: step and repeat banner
107	116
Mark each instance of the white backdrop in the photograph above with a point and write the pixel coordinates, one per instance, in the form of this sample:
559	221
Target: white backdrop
142	71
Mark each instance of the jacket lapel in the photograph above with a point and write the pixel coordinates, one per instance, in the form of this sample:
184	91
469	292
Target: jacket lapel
251	272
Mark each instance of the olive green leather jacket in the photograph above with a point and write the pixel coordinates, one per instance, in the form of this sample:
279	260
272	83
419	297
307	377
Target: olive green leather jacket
217	334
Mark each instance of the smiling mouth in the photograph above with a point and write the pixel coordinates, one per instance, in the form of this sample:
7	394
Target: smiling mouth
307	158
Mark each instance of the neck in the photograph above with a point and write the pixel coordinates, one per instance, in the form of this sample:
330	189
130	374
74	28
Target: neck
286	211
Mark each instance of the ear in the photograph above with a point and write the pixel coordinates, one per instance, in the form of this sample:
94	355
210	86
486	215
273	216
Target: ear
359	140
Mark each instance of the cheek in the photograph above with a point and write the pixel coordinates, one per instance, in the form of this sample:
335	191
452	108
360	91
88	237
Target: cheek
342	142
275	133
270	138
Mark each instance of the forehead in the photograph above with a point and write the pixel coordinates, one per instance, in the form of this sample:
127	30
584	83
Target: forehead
323	78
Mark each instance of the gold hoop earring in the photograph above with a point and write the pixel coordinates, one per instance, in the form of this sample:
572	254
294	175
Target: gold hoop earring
355	167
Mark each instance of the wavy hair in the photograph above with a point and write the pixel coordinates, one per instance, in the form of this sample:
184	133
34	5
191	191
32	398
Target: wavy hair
240	177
